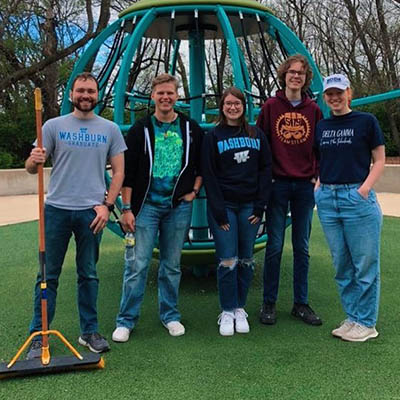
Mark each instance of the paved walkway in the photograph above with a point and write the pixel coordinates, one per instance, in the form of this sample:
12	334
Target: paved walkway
15	209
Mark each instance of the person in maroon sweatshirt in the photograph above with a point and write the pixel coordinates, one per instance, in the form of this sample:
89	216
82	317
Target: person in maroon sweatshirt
289	119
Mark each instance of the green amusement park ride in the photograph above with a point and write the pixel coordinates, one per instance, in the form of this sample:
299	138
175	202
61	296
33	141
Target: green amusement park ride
192	36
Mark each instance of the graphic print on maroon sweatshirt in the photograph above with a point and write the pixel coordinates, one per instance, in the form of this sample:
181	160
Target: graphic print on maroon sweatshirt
292	128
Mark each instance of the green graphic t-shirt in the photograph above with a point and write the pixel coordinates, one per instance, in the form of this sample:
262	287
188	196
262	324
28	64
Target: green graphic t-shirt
168	151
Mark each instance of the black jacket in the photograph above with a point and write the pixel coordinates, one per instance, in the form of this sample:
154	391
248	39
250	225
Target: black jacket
140	155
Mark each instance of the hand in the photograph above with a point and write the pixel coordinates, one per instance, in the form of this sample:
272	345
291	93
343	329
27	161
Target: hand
38	155
100	222
317	185
253	219
128	221
363	192
188	197
225	227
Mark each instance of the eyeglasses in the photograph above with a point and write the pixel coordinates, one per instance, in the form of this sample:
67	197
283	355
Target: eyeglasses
295	72
235	104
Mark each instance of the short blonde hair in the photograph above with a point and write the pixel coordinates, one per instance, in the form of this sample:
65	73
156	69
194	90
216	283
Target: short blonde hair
164	78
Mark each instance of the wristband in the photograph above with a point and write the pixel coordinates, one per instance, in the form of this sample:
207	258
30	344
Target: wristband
109	206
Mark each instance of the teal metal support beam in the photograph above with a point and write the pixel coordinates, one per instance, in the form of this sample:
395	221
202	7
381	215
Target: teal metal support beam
111	66
197	84
249	98
393	94
120	87
232	46
79	67
196	73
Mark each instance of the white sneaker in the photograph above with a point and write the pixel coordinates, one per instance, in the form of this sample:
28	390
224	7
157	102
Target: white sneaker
241	324
360	333
175	328
225	322
121	334
344	327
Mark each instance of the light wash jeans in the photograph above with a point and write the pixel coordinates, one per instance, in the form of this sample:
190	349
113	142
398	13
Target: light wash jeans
352	227
299	196
237	244
59	226
171	225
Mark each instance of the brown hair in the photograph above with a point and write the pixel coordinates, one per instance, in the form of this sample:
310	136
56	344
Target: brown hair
243	124
285	66
164	78
84	76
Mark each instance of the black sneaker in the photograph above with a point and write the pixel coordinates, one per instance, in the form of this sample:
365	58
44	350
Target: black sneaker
35	350
268	314
306	314
95	342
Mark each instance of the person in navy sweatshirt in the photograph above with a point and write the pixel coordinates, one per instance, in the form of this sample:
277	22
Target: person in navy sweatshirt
350	215
288	120
236	166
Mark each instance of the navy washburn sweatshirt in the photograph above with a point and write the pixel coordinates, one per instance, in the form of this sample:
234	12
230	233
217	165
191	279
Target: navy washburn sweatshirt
290	131
235	168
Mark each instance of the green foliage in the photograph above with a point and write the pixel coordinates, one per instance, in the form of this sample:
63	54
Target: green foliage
65	69
381	112
6	160
17	132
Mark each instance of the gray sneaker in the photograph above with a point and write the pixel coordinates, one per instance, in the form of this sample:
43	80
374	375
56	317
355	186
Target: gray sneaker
35	350
344	327
95	342
360	333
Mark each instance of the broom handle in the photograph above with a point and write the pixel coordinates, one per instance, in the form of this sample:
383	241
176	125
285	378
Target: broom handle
42	261
38	111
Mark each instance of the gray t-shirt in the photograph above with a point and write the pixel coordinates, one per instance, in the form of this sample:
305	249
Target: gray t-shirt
79	149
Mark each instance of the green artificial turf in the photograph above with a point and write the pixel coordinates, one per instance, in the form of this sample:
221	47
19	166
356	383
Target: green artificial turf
290	360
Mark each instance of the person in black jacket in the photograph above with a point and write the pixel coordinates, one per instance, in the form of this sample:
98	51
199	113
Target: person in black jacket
162	178
236	166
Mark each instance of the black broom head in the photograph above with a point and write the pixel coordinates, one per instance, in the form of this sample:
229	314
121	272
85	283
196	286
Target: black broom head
57	364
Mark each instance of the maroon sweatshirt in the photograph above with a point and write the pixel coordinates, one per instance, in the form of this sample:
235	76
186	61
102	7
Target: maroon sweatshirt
290	131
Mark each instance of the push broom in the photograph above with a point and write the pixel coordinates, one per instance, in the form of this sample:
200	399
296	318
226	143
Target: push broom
46	364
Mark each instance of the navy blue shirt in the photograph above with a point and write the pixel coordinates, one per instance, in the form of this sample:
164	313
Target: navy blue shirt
236	168
344	144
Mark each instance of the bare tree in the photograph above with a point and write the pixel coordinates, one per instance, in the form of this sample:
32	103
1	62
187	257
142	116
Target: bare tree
35	37
358	37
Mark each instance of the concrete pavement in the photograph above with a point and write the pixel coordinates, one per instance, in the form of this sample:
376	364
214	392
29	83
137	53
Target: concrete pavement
23	208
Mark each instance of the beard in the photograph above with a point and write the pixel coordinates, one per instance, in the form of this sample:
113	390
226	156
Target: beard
77	105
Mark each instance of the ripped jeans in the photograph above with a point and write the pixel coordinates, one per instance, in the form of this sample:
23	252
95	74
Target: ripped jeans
234	249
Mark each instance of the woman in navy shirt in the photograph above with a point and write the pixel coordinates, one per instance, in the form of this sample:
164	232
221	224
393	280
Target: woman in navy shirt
236	162
350	215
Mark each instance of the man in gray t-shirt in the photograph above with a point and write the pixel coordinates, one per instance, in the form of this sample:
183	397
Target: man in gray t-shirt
79	144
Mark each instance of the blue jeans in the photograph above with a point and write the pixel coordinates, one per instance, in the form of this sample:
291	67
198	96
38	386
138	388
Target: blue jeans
299	196
59	226
234	249
352	227
171	225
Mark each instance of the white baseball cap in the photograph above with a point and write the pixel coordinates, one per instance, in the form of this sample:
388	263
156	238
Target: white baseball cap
337	81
